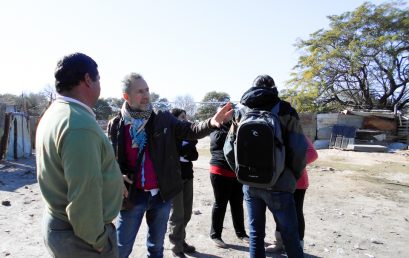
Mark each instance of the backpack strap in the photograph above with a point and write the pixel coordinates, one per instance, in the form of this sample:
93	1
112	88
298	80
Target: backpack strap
276	108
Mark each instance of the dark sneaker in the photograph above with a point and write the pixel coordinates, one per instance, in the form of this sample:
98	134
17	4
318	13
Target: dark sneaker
276	247
219	242
244	238
188	248
179	254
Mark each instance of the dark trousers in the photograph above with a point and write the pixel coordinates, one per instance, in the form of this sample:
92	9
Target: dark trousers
226	189
299	205
61	242
180	215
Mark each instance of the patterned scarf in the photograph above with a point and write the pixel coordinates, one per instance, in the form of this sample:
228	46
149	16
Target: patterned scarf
137	121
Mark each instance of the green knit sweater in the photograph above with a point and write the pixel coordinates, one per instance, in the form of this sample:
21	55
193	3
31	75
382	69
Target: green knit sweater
77	172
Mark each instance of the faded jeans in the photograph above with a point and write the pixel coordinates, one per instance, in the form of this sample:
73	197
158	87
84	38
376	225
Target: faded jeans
281	204
129	221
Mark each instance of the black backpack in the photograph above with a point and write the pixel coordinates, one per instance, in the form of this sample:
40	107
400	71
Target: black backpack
259	151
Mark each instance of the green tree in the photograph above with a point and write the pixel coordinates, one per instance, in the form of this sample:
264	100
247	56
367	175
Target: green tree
154	97
210	103
102	109
361	61
162	104
115	104
159	103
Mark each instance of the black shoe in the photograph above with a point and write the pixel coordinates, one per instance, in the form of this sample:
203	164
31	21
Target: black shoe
219	242
188	248
244	238
179	254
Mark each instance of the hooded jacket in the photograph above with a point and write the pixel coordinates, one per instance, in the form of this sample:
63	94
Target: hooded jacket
264	98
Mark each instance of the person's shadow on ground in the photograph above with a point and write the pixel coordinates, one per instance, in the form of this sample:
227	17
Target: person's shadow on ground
202	255
16	174
245	250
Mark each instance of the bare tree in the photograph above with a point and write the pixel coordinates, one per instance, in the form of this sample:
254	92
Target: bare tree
187	103
49	93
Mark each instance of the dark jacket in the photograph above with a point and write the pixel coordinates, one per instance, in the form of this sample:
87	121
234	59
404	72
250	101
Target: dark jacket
187	150
163	130
296	145
217	139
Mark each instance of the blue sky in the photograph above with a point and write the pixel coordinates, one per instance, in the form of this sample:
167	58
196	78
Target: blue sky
180	47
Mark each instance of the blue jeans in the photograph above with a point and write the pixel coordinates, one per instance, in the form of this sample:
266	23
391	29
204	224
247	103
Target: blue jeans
281	204
128	223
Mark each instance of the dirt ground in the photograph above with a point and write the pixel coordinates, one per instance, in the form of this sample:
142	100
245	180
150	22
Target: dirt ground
356	206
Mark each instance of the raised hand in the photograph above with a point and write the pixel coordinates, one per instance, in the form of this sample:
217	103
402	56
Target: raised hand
223	115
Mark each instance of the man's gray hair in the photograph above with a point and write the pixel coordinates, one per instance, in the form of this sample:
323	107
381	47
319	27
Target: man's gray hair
127	81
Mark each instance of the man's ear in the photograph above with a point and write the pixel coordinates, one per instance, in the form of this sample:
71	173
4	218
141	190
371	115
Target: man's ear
126	96
87	79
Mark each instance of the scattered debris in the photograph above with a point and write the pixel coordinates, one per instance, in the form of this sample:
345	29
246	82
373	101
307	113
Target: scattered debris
327	169
375	241
396	183
366	216
397	146
370	148
358	247
197	212
370	255
6	203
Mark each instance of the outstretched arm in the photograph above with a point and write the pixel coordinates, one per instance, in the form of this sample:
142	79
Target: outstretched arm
191	131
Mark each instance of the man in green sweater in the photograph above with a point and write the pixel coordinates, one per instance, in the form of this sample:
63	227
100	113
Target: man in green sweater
79	177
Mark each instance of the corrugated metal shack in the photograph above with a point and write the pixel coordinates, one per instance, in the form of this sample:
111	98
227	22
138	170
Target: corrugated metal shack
356	130
16	136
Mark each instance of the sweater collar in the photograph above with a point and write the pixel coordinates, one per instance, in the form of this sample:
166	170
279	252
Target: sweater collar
68	99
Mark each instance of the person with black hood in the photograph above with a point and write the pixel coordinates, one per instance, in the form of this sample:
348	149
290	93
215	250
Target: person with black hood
278	198
226	189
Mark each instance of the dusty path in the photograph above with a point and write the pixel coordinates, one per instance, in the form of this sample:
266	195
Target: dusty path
357	206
